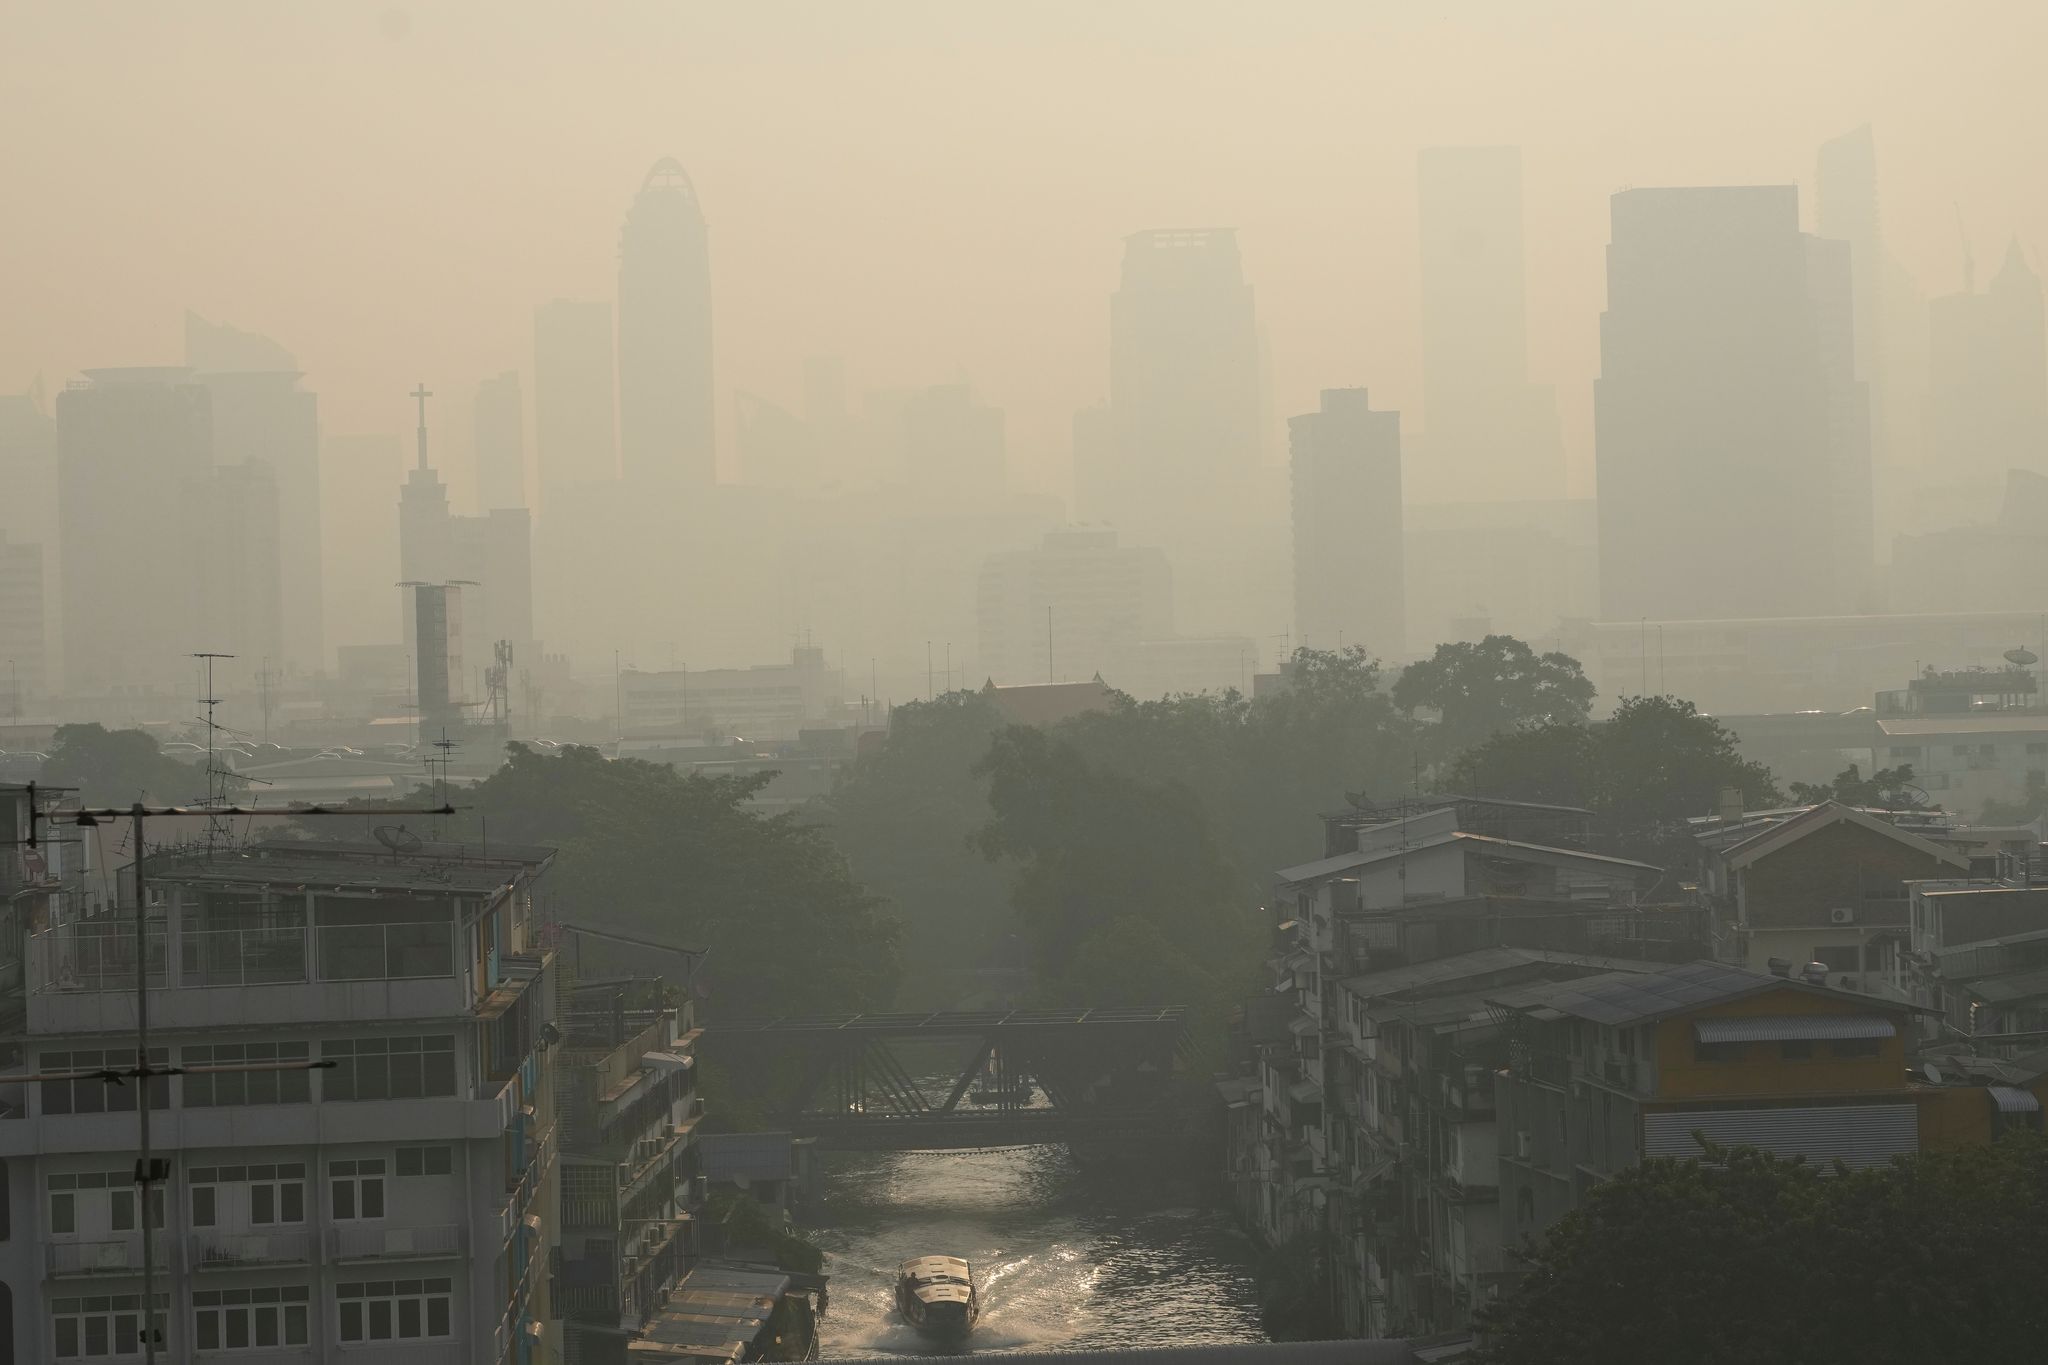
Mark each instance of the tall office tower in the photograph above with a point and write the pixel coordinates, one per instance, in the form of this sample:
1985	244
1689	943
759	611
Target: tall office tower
437	647
1719	414
24	627
953	446
360	539
1094	463
135	452
398	1198
666	440
1848	522
1071	608
1348	545
1846	210
28	510
1184	386
1988	401
1490	435
574	429
236	556
498	432
261	415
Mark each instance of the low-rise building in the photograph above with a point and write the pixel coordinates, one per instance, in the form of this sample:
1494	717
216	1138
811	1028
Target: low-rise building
372	1166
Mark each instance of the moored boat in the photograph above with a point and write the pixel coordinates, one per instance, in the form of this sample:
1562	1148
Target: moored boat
935	1294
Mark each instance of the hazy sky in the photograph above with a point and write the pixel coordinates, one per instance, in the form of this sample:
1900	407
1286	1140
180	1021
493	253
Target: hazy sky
933	189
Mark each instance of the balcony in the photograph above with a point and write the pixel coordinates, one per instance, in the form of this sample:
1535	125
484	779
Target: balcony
395	1244
388	1353
104	1256
81	976
240	1250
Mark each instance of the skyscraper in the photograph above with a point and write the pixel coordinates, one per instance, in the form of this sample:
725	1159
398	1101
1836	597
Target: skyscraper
1988	400
953	446
1489	434
575	430
1348	558
135	452
666	435
1184	384
1725	412
498	430
358	474
1072	608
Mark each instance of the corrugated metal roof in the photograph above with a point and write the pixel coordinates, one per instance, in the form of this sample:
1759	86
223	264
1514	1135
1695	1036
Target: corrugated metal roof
1305	1092
1368	1352
2013	1100
2006	990
1630	1000
1766	1028
1854	1134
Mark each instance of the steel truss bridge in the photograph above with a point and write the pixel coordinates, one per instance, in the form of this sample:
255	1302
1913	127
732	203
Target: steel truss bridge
962	1078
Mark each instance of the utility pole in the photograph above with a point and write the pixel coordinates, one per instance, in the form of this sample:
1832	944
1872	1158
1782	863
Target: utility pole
150	1172
1050	675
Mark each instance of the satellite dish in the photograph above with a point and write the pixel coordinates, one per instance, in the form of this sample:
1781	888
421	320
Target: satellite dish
2022	657
397	838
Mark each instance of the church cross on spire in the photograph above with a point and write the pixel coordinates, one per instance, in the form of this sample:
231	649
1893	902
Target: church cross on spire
421	394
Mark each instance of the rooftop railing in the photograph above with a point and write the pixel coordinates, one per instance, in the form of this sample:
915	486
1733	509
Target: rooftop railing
100	955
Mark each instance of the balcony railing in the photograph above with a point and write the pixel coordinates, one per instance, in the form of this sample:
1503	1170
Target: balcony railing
105	1256
236	1250
101	956
382	1243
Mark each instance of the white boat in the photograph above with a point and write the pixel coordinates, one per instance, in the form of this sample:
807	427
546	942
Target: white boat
935	1294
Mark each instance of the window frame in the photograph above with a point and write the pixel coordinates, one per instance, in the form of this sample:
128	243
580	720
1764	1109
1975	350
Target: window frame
348	1173
391	1299
252	1303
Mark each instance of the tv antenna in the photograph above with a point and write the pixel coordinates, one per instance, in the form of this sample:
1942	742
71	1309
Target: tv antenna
219	829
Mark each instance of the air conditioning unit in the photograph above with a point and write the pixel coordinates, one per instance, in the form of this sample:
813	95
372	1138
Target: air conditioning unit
1525	1143
1842	914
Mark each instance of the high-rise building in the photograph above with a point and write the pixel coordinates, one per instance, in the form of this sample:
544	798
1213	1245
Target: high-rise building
437	651
952	446
235	555
575	430
498	433
1728	449
264	417
1065	611
28	512
135	450
1184	386
1348	558
400	1195
24	629
359	538
666	434
1490	435
1988	399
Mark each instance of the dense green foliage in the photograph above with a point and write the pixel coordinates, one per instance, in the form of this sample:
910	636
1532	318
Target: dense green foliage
1499	684
1890	788
683	859
1751	1258
1124	897
1642	772
120	767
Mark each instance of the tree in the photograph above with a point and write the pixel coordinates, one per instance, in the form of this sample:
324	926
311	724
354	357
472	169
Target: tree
1642	772
685	859
1745	1256
1499	684
2024	809
1889	788
119	768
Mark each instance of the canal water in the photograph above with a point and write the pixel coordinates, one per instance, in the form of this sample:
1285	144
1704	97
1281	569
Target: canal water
1064	1257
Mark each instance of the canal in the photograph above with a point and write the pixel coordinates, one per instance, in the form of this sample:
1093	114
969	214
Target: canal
1065	1257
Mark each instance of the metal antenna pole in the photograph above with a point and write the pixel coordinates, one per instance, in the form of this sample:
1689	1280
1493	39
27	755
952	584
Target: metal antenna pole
145	1174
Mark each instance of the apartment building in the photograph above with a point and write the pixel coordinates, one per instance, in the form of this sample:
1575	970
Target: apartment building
396	1198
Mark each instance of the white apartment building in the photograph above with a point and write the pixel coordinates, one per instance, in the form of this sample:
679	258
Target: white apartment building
395	1207
766	701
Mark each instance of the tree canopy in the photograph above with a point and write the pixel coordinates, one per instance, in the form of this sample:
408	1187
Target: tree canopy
1642	772
120	767
684	859
1890	788
1497	684
1749	1257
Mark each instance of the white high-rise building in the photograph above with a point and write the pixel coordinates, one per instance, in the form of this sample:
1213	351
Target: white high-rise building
1066	611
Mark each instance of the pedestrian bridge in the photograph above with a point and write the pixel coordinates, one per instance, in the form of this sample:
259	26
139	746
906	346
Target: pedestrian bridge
958	1079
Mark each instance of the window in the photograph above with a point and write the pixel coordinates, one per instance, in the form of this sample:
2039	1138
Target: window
248	1087
394	1310
258	1196
1841	957
1795	1050
246	1319
103	1325
1717	1052
389	1068
94	1203
1850	1049
92	1095
1900	751
356	1188
424	1161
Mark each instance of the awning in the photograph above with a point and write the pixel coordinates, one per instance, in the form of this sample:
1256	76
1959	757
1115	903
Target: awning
1767	1028
669	1061
2012	1100
1305	1092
